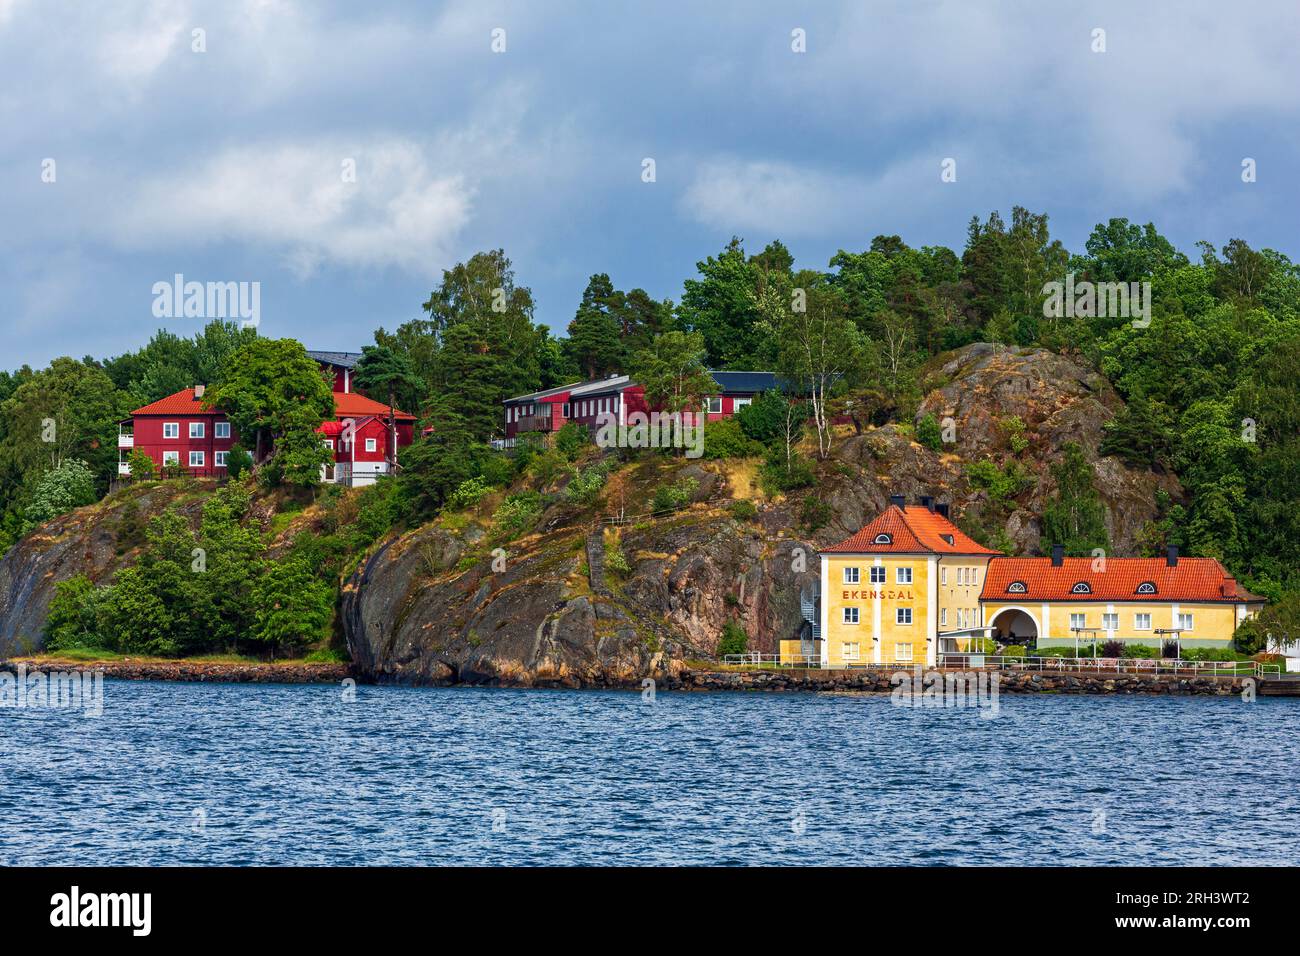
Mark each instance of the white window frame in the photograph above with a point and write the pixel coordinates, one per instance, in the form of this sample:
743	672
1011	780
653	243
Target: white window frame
877	574
1110	622
1078	620
171	458
220	459
903	575
738	403
221	430
172	431
899	654
943	617
372	444
852	576
193	462
711	401
850	650
1138	624
943	574
197	430
849	615
899	614
961	619
1189	617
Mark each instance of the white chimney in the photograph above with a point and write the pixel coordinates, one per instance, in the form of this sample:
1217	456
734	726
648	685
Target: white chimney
199	390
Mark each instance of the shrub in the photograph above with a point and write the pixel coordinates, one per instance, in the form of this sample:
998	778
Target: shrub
1013	650
571	439
1169	649
584	487
1140	651
70	621
518	513
1002	483
742	509
547	466
1113	649
238	461
1014	428
468	493
141	465
764	419
734	640
59	490
615	559
674	496
726	439
1209	654
775	477
928	433
814	513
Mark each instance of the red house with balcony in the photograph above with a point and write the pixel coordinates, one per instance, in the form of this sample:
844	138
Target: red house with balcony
177	430
585	402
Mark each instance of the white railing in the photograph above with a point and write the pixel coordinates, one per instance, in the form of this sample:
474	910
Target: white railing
1096	665
125	440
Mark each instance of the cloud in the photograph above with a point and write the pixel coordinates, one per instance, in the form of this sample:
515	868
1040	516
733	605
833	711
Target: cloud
293	200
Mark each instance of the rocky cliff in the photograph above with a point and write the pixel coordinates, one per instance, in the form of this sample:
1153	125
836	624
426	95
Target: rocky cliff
455	601
429	607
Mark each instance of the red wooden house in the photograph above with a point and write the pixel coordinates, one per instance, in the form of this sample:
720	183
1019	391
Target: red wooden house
585	402
178	430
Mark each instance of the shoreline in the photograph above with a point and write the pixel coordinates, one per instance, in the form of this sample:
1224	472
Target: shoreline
856	681
184	671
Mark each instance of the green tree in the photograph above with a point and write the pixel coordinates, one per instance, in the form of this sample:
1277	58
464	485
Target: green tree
269	387
1075	517
69	485
293	606
672	372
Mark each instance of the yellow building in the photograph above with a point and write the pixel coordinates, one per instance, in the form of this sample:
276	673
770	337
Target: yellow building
911	586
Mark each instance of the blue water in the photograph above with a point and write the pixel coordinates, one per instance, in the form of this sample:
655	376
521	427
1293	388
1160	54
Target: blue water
246	774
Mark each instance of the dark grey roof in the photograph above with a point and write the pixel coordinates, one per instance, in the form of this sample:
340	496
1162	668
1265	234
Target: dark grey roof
343	359
744	382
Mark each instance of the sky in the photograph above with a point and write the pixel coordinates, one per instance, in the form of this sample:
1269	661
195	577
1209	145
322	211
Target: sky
140	140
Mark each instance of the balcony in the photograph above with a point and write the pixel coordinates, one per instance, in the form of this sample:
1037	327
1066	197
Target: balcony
123	468
539	422
125	439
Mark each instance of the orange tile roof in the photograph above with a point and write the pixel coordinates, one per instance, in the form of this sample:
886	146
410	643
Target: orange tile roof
177	403
346	405
911	531
352	405
1192	579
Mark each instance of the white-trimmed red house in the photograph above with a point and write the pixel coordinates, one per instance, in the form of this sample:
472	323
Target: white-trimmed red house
178	430
585	402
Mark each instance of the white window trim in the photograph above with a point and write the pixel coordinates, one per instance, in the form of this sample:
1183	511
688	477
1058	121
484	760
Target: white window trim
898	616
844	616
372	444
221	430
898	648
171	457
193	463
1082	622
1190	618
200	432
899	575
174	428
852	576
850	655
943	617
878	575
1137	621
714	399
220	457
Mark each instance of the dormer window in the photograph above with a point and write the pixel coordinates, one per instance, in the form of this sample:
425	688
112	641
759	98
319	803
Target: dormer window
1146	587
883	538
1017	587
947	537
1083	587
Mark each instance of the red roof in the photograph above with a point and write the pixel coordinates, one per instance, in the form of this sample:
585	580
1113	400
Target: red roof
915	530
1191	579
346	405
352	405
177	403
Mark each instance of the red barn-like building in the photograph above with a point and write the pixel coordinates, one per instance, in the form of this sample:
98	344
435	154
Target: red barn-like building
585	402
177	430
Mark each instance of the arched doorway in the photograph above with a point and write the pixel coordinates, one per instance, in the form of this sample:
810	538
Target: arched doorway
1014	625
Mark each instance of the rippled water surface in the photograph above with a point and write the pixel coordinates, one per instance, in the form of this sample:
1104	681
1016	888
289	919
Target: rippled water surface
239	774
